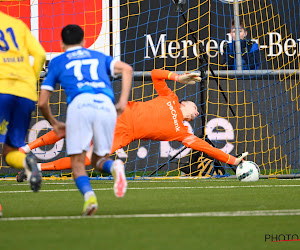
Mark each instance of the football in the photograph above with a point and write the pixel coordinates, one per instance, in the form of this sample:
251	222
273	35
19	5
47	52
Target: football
247	171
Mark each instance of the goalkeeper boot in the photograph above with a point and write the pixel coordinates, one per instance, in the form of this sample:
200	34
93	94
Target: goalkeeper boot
240	158
21	176
33	174
90	206
118	172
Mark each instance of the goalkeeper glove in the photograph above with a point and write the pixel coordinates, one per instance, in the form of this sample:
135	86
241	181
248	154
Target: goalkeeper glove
190	78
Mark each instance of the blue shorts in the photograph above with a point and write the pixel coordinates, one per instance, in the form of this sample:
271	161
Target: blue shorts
15	116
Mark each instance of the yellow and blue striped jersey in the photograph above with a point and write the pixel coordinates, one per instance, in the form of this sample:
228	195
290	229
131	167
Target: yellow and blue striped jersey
17	76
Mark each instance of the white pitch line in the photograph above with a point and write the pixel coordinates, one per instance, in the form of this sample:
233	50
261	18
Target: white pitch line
288	212
153	188
50	182
106	182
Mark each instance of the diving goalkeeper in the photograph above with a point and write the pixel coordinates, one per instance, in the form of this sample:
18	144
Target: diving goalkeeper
160	119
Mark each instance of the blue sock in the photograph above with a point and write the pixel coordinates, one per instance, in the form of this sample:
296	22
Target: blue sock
107	166
83	184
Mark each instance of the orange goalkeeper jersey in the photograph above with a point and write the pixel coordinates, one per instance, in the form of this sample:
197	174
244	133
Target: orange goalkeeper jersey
160	119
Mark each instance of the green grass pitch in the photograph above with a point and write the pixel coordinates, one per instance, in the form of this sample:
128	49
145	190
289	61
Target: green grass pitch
162	214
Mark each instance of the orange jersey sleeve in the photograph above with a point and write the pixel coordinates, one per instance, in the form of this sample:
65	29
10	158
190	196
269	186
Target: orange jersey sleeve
192	141
158	76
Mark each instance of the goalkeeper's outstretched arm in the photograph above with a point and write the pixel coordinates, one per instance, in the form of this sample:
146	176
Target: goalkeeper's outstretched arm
159	76
198	144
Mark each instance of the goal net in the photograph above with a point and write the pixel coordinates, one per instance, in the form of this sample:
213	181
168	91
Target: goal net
254	109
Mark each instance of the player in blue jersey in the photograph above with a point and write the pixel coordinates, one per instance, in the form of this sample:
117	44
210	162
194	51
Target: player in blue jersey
91	113
18	92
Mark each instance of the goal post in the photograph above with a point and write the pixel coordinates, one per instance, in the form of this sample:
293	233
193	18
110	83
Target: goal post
242	109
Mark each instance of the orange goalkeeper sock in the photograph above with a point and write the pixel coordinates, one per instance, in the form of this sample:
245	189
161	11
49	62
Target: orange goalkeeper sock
60	164
47	139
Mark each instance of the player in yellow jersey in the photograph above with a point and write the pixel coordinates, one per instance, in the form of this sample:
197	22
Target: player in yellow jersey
18	92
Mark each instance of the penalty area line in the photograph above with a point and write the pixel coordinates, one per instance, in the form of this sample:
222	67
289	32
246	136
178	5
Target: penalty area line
288	212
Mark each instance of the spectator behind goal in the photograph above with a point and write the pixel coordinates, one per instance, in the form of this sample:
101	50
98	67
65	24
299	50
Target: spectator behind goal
249	49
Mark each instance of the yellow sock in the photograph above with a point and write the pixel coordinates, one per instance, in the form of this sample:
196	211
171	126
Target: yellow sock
15	159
